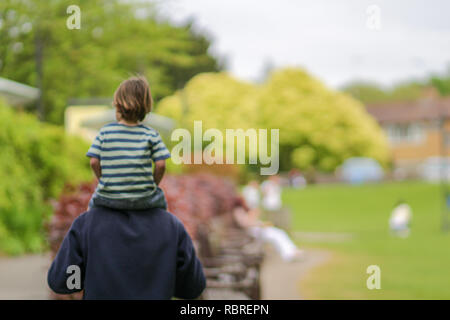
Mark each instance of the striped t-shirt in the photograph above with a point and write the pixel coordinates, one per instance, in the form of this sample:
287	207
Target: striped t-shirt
126	154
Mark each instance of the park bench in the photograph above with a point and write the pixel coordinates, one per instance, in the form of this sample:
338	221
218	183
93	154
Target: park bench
231	260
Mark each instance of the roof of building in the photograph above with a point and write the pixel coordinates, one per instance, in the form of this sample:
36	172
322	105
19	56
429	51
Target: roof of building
17	93
159	122
423	109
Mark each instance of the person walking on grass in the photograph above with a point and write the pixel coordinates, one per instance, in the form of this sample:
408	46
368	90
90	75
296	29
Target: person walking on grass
400	219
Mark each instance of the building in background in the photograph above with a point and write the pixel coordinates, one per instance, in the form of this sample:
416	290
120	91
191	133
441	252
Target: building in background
85	118
418	133
17	94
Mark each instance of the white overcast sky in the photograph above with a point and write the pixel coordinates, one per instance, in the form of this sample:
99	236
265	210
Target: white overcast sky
327	37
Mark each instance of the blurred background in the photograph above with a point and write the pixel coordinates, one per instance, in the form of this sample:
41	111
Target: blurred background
358	89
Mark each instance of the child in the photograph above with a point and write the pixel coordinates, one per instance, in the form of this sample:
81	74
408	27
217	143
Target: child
122	154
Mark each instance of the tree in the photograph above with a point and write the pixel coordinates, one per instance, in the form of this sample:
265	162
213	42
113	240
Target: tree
37	160
441	83
116	39
371	93
366	92
217	99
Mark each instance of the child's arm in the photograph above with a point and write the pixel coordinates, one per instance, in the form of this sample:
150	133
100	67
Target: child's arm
96	167
159	154
94	153
160	168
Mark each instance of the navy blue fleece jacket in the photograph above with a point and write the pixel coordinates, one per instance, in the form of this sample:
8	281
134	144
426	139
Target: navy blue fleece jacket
128	255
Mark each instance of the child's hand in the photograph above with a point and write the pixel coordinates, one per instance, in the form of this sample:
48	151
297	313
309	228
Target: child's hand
96	167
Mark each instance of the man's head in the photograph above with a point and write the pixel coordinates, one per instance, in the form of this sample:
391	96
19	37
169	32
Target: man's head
133	100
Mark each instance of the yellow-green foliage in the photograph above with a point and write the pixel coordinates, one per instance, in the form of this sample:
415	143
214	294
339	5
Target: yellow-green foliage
215	98
322	127
36	161
319	127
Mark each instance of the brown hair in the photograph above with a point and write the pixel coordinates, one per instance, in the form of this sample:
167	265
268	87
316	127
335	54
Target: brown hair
133	99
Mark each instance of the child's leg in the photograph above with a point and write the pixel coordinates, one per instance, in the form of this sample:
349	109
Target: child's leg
161	201
155	200
91	202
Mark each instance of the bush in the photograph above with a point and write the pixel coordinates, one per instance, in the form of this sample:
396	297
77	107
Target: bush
37	159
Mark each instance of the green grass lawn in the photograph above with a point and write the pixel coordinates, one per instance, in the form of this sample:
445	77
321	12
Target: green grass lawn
414	268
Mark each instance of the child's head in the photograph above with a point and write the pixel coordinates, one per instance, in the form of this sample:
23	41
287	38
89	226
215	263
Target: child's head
133	100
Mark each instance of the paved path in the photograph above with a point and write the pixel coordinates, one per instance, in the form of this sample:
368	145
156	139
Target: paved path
281	280
24	277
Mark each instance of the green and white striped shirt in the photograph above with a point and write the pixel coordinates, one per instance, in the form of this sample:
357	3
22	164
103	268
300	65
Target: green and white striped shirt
126	154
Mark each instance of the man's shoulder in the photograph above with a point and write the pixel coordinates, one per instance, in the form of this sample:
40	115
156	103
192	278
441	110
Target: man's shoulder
169	217
160	214
79	222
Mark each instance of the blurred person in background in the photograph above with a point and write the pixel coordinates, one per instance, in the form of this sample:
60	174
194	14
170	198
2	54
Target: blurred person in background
271	191
251	195
249	219
400	220
296	179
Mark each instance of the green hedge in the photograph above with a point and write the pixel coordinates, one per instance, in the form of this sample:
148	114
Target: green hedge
36	160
